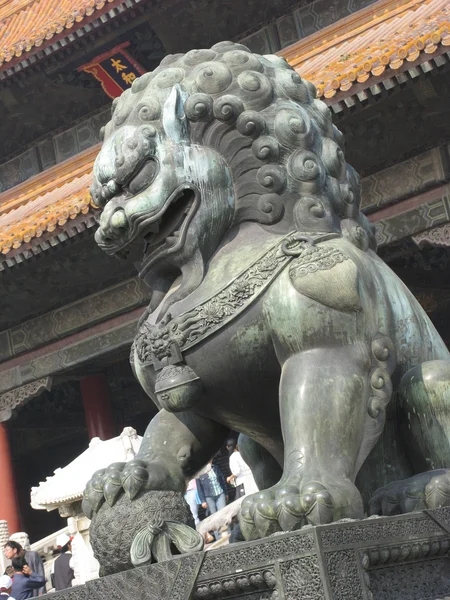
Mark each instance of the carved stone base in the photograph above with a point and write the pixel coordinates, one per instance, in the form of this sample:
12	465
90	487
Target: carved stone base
399	558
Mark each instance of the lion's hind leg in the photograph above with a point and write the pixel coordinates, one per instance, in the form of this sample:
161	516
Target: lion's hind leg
424	412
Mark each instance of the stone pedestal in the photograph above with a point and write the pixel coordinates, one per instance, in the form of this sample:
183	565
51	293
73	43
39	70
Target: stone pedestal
396	558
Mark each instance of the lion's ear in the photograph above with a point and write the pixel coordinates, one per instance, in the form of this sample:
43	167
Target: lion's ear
175	123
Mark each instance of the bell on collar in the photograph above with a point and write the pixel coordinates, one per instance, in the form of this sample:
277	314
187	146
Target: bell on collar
178	388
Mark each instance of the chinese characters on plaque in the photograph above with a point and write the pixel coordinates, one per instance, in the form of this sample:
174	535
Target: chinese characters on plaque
116	70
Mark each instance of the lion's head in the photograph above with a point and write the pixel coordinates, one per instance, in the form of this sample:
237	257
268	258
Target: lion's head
213	138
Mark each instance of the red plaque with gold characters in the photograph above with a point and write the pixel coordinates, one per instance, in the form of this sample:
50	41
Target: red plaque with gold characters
116	70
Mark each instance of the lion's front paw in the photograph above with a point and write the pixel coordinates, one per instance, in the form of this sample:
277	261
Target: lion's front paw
425	490
132	478
287	507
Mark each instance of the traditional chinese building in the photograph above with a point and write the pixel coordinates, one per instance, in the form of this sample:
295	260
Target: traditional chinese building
68	311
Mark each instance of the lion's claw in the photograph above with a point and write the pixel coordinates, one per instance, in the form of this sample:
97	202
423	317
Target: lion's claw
92	500
317	503
437	491
132	478
108	484
422	491
258	517
286	507
97	480
112	485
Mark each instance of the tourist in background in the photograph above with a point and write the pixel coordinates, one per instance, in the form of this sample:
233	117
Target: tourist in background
33	559
62	569
24	581
211	487
192	498
5	587
222	460
241	474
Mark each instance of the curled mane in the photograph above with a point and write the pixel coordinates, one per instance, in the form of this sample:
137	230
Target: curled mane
286	157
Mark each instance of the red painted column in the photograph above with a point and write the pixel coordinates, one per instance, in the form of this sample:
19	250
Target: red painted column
9	508
97	407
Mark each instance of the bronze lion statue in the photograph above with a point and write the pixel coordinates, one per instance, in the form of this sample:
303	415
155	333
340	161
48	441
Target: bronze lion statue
271	313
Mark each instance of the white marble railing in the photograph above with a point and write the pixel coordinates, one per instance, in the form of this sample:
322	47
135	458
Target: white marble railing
220	518
47	544
45	549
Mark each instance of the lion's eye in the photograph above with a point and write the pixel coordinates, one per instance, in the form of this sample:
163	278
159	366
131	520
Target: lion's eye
144	178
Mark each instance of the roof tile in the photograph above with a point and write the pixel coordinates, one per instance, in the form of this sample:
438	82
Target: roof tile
383	43
25	24
41	205
352	51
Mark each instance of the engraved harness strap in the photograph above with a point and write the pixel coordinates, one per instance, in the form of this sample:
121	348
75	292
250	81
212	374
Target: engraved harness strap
162	345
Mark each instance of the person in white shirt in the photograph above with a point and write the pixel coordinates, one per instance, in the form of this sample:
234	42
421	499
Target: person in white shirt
191	497
5	587
241	474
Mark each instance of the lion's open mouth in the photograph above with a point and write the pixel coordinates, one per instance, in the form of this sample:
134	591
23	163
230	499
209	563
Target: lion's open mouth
168	232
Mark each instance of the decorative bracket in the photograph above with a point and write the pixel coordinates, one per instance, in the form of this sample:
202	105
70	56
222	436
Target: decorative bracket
20	395
437	236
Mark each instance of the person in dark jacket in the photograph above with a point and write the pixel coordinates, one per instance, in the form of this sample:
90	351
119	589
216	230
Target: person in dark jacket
211	488
16	546
63	573
25	581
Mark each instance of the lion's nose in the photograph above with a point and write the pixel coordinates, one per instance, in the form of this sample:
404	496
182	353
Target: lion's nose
112	227
119	220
